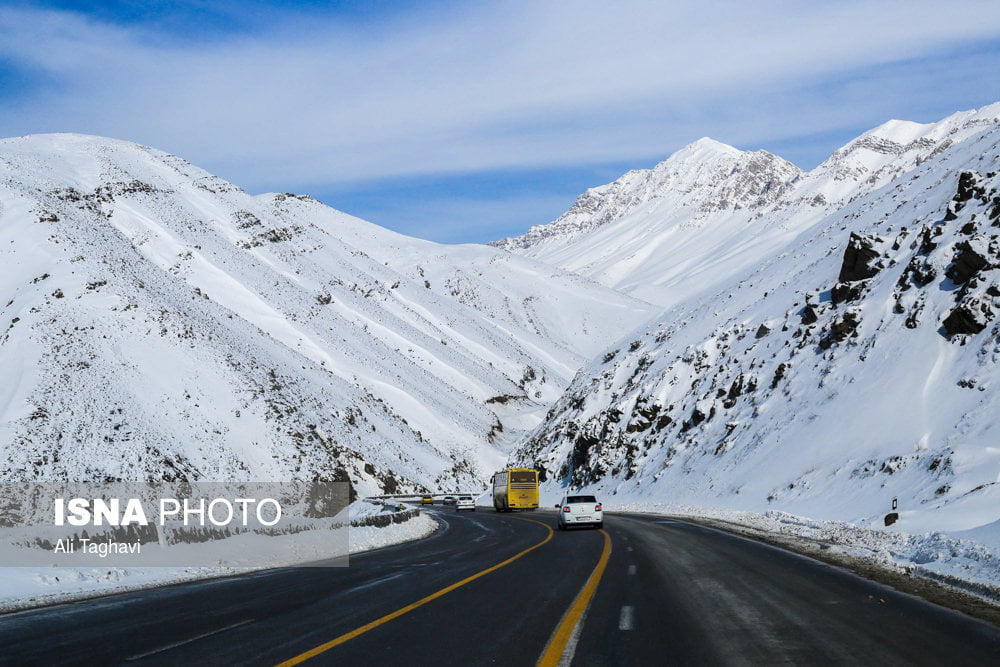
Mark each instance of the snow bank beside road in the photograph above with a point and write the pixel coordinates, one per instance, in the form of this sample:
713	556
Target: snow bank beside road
27	587
415	526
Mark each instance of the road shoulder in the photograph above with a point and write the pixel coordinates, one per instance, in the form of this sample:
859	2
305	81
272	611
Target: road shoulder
983	605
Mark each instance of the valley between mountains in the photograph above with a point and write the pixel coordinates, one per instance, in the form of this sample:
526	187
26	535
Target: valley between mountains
723	330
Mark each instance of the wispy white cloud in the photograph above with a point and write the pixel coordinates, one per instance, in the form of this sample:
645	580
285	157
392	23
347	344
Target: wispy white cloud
488	85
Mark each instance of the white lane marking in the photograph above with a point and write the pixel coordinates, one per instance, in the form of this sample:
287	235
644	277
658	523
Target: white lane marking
381	580
631	570
187	641
627	618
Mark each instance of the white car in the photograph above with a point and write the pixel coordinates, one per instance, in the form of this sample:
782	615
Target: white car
580	511
465	503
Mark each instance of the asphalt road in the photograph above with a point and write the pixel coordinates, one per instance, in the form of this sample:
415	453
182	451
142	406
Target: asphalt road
669	593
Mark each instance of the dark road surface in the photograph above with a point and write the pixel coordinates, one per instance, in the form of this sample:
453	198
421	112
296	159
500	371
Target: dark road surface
671	593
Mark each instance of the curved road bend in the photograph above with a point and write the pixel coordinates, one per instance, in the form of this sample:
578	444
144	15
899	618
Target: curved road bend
680	593
671	593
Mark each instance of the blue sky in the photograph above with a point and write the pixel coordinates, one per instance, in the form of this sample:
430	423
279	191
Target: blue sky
470	121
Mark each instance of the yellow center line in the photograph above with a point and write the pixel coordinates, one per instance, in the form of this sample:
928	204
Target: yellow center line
312	653
560	638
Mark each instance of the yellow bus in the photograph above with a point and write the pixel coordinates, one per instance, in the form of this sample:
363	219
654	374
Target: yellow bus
515	489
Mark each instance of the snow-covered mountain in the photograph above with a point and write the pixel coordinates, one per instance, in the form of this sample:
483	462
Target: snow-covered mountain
706	176
855	363
711	212
158	322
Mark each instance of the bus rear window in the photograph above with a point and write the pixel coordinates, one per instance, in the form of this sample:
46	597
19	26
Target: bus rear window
522	477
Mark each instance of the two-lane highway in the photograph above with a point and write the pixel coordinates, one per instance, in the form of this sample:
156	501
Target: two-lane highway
273	616
493	588
681	593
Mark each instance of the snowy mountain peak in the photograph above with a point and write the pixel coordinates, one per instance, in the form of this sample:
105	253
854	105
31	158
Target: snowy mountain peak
884	152
704	176
710	210
704	149
900	131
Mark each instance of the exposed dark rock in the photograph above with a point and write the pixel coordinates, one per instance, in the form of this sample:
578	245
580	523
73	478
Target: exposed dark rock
966	186
913	319
663	422
643	418
809	314
860	258
581	450
736	388
843	292
840	330
927	242
740	385
762	331
779	374
969	317
967	263
919	272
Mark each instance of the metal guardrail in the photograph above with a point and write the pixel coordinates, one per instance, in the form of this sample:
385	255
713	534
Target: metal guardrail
383	520
415	497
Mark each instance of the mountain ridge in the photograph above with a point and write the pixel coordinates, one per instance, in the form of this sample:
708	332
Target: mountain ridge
853	364
161	321
629	236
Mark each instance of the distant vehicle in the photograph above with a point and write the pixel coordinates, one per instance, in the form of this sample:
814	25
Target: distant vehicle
580	511
449	500
427	500
515	489
465	503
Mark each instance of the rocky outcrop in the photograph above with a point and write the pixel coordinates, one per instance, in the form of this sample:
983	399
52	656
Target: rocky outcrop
860	258
971	316
971	257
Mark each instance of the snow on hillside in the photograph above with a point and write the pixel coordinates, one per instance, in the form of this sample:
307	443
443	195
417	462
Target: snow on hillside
158	322
857	364
711	212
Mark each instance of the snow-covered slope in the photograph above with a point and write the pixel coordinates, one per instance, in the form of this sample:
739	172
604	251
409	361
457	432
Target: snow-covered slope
158	322
710	212
857	364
